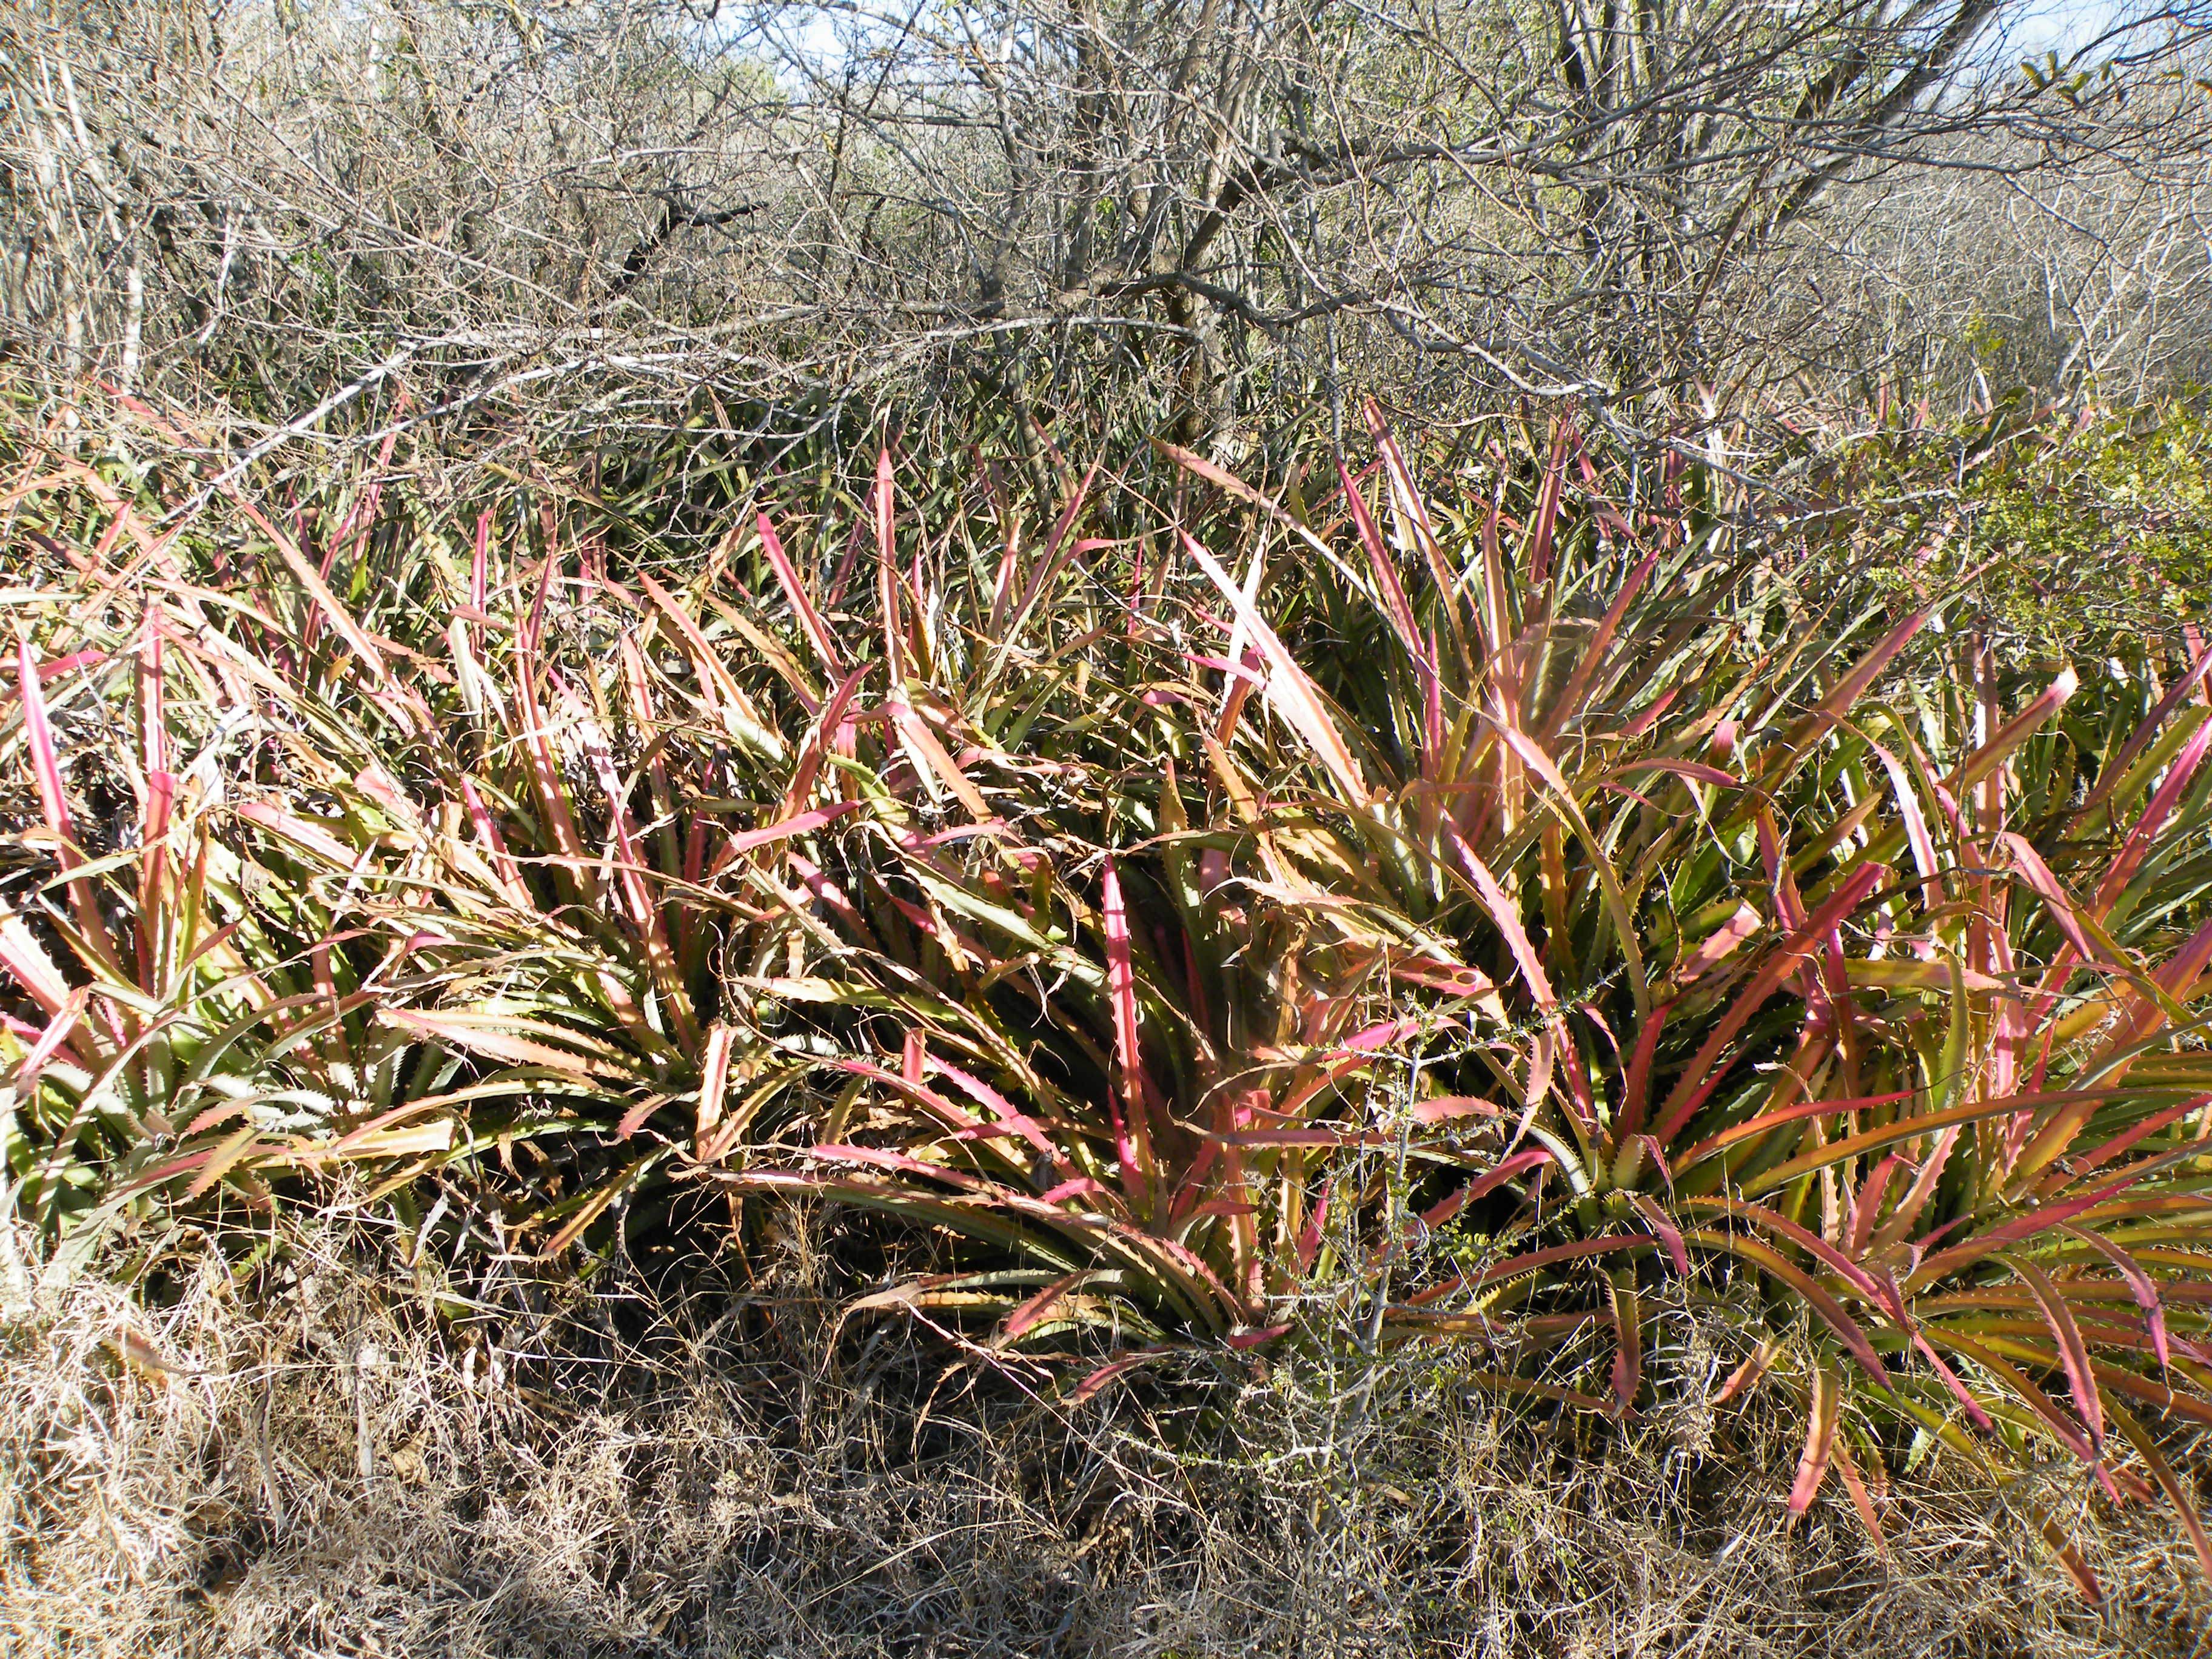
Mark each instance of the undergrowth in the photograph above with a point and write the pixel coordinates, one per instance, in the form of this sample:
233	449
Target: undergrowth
1447	909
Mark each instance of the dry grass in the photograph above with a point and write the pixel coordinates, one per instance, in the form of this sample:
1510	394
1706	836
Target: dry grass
331	1470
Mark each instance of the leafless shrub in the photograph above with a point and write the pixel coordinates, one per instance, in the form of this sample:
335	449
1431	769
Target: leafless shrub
1217	214
2090	275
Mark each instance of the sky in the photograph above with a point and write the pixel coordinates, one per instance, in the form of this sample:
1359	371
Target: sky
2060	26
2042	28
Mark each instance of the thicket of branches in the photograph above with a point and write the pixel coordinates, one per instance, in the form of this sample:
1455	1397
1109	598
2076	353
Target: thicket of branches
1205	213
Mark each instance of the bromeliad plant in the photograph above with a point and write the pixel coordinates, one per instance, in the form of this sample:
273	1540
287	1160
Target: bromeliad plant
183	1015
552	881
1864	1007
348	821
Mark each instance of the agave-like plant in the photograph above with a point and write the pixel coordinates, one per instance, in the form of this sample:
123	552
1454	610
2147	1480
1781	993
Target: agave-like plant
1866	1005
515	853
185	1015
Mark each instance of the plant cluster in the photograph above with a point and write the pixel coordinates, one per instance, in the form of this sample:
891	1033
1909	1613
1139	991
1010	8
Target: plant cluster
1343	910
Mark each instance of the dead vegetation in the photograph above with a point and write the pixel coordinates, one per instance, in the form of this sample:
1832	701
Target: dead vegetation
331	1470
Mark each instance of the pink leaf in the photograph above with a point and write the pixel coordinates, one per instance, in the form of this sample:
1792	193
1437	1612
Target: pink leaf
1132	1142
2138	843
1294	693
299	833
1667	1232
1819	1439
50	1041
2037	874
1908	806
1489	1181
809	619
802	824
2141	1285
1099	1379
1395	605
1255	1338
1502	912
1031	1313
1706	1071
45	762
1718	946
24	958
1444	1107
